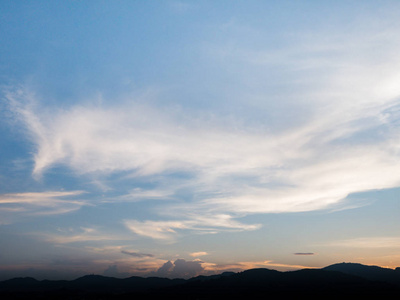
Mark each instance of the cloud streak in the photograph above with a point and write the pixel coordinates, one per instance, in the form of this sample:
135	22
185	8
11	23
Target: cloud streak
84	235
169	230
137	254
41	203
197	254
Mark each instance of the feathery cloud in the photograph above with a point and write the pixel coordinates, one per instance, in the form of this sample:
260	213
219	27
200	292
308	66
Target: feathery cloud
306	168
85	234
168	230
40	203
346	140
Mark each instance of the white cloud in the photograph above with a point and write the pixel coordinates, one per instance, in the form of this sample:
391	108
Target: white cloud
197	254
84	234
168	230
41	203
155	229
305	168
139	194
345	138
181	269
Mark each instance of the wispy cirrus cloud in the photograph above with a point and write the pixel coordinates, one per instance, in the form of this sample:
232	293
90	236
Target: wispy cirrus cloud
41	203
169	230
296	170
344	140
139	194
82	235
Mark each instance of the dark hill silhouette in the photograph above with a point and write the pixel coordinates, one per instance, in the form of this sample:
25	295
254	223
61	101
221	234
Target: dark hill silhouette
89	284
335	280
20	283
205	278
369	272
264	283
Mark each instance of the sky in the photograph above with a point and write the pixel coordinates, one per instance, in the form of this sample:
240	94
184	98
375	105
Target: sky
179	138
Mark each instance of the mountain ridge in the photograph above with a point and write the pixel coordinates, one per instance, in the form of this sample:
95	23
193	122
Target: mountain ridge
368	272
335	279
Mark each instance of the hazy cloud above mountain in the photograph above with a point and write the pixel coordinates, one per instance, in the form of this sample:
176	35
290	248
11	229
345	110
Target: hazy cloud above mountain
180	269
112	271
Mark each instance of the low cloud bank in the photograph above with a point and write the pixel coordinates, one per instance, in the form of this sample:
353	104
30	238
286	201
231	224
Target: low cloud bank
180	269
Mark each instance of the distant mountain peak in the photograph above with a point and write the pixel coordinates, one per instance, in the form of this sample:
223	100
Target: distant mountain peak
365	271
349	265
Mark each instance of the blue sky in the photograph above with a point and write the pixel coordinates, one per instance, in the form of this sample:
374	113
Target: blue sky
179	138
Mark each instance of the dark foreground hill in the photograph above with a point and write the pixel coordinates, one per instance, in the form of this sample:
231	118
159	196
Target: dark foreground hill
368	272
336	280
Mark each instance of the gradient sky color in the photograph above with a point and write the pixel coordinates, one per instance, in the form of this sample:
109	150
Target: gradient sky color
177	138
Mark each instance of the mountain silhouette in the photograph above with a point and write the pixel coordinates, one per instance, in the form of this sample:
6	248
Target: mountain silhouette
343	279
263	283
368	272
